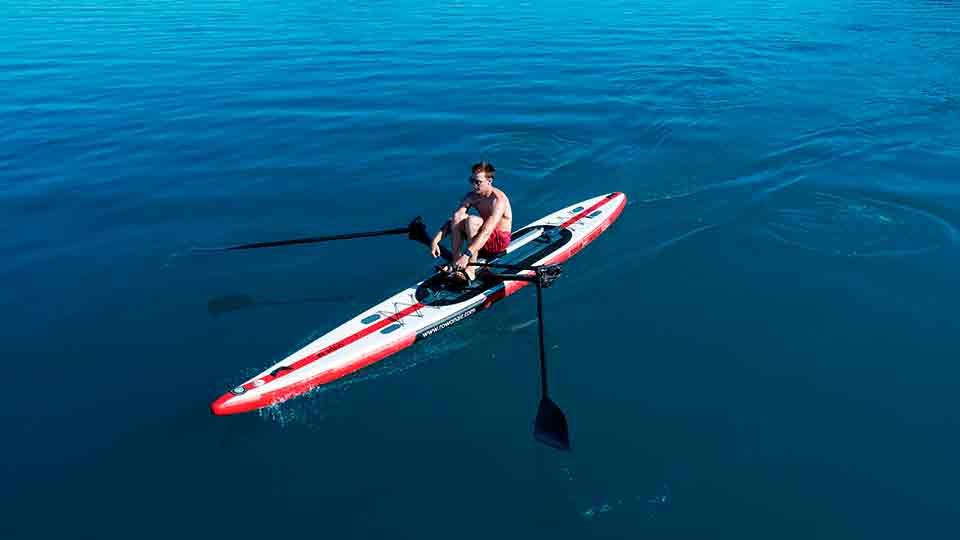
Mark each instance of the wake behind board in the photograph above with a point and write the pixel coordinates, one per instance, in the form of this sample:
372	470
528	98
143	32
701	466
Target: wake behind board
422	310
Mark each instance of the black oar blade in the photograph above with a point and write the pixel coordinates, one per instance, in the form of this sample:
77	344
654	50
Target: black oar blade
551	425
417	231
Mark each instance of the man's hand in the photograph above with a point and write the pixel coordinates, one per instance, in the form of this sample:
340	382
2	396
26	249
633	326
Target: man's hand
461	263
435	249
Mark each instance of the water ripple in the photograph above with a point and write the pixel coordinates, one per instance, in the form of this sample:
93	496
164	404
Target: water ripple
858	227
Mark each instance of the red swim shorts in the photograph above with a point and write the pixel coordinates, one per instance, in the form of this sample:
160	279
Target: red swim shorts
498	241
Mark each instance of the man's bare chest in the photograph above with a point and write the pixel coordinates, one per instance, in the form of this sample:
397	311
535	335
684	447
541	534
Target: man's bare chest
484	205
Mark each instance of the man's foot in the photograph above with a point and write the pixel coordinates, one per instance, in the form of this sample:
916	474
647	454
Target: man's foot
462	277
466	275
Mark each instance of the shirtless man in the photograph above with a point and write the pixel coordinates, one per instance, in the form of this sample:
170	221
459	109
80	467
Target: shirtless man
487	234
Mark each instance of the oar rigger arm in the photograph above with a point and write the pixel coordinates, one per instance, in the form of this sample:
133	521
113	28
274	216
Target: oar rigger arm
544	274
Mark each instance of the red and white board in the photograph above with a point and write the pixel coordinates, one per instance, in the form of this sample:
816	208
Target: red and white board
422	310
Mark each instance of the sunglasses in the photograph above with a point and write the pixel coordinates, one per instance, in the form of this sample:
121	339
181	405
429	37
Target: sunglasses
477	181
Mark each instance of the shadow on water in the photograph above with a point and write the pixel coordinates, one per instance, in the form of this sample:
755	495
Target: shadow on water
237	302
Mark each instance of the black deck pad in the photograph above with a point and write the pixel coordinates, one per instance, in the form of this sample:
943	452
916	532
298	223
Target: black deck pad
442	290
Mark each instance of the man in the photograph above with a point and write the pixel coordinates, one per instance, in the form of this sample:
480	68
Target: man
486	235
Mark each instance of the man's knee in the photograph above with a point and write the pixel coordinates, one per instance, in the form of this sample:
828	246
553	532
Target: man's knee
458	222
473	225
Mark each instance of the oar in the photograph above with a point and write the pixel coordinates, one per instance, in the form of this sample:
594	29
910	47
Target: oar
550	427
416	230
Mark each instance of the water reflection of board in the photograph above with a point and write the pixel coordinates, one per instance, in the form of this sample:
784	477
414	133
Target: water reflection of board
423	310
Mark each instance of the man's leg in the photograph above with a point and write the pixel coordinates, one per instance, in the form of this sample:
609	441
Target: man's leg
465	229
472	225
457	234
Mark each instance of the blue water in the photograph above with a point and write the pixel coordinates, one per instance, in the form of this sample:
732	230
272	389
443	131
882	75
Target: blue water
763	346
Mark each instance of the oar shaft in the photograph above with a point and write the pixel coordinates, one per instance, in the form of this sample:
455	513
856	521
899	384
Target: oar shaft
314	239
503	266
543	353
307	240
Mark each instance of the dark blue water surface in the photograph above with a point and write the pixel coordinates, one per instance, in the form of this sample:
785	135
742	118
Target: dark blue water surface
763	346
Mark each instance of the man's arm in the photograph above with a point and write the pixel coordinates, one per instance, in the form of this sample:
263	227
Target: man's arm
458	214
461	211
444	230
